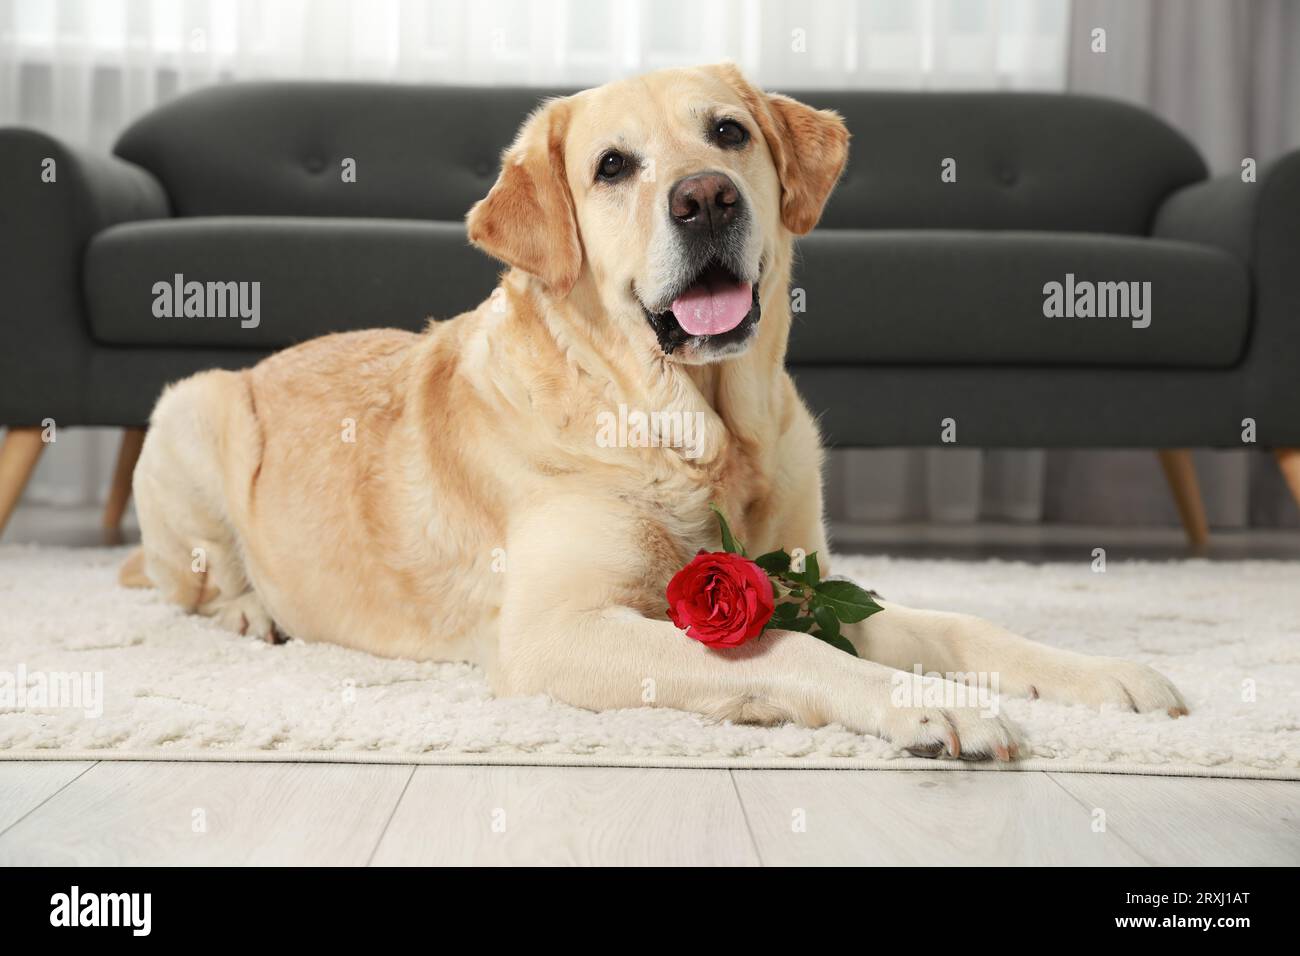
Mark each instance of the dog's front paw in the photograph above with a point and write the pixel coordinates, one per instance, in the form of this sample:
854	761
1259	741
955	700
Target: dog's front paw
246	615
1109	681
967	732
925	716
1129	686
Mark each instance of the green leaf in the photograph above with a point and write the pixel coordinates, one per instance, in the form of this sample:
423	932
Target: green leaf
729	543
785	612
828	625
804	624
842	643
849	602
774	562
811	573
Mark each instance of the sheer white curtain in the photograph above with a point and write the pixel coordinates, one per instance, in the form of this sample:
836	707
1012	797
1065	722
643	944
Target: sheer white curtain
83	69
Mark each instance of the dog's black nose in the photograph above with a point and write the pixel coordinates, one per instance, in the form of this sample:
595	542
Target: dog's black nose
705	202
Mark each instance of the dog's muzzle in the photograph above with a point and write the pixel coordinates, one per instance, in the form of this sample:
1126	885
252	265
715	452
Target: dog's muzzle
715	305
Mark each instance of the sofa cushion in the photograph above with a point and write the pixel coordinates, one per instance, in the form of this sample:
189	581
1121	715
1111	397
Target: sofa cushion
940	297
313	276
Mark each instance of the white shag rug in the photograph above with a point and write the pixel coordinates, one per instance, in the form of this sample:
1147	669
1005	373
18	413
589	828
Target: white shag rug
176	687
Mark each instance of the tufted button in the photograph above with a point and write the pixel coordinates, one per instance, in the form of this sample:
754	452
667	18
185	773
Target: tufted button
314	164
1008	176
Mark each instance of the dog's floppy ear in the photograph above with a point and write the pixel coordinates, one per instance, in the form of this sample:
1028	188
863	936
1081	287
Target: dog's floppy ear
810	148
527	219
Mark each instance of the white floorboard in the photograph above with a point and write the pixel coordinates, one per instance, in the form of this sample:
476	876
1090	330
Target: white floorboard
906	818
25	786
1192	821
567	815
142	814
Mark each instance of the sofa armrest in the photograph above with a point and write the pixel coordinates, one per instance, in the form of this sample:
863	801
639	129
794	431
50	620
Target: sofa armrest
1259	223
52	200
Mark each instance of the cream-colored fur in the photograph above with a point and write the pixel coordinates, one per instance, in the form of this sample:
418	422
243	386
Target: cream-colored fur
444	496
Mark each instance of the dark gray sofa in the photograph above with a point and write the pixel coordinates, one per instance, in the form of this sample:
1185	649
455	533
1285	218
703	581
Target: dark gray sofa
924	298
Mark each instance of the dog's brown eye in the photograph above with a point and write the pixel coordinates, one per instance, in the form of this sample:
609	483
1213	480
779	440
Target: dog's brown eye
611	165
730	134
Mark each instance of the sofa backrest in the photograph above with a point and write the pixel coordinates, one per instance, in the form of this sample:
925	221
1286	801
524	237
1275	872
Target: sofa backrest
1022	160
1040	161
276	149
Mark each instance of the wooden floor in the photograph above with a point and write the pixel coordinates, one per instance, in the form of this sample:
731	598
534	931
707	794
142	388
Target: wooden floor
116	813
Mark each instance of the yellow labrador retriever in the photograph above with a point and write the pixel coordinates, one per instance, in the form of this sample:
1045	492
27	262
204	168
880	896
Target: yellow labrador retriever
445	496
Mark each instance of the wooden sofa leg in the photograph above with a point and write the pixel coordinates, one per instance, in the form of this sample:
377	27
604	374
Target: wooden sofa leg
128	453
18	456
1181	475
1288	459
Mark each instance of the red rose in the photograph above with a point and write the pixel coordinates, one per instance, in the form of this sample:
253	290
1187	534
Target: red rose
720	599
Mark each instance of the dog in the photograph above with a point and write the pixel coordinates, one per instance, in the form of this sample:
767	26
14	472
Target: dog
441	496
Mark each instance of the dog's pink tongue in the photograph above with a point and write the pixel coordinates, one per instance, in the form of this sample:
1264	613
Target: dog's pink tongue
712	306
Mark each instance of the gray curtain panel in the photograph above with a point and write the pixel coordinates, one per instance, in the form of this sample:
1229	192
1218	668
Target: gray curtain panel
1226	73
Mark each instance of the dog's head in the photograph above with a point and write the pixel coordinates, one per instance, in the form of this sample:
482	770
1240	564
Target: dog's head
670	192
